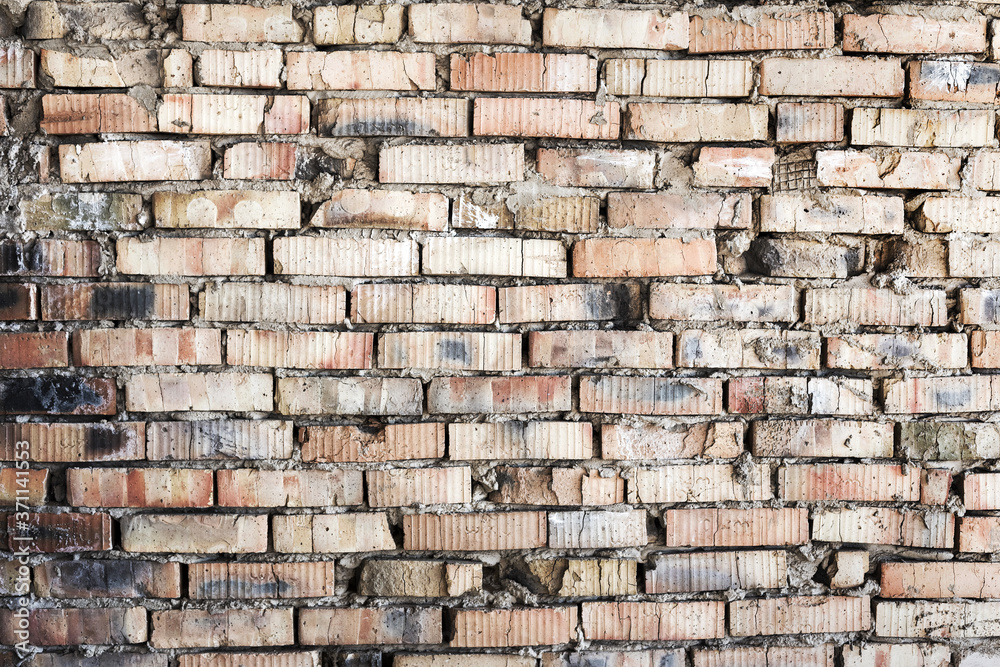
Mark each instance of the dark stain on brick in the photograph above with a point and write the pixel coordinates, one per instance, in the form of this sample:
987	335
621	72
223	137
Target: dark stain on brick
106	440
455	350
12	297
991	306
122	302
18	258
50	395
612	302
672	392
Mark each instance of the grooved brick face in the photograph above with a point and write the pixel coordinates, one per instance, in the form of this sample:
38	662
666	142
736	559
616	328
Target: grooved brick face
469	334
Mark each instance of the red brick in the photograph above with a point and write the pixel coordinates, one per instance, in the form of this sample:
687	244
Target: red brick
332	533
909	170
494	256
383	209
618	258
457	395
108	578
514	627
784	30
27	486
686	123
809	122
766	656
272	302
520	440
194	533
699	484
226	581
736	527
979	534
396	442
651	396
542	117
284	349
92	114
915	655
260	161
46	257
127	161
138	487
470	164
428	486
19	302
34	350
597	529
52	443
359	70
671	440
524	72
147	347
569	302
716	570
940	580
324	256
869	482
653	621
695	210
885	525
219	440
800	615
837	76
59	533
386	625
497	531
227	209
196	628
74	627
941	395
289	488
423	304
734	167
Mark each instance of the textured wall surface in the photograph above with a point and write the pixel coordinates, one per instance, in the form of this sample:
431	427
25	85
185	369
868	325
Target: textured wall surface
502	335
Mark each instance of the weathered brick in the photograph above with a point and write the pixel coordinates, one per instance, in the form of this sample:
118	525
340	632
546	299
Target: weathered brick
225	581
736	527
596	168
19	302
50	257
826	438
423	304
733	167
116	161
168	392
386	625
883	525
287	349
64	443
615	29
17	67
138	487
838	76
569	302
208	659
57	395
430	486
524	73
262	161
325	256
399	117
600	349
84	212
890	33
921	128
748	348
766	656
520	440
696	210
383	209
981	491
870	482
800	615
979	534
74	627
833	257
27	486
880	307
715	571
782	30
272	302
451	351
979	306
897	170
939	580
585	577
457	395
359	70
942	81
726	303
194	533
494	256
597	529
240	69
289	488
800	396
196	628
92	114
939	620
467	163
809	122
622	257
96	20
496	531
664	440
843	214
906	351
949	441
349	396
653	621
514	627
350	24
227	209
575	215
680	78
915	655
685	123
239	23
34	350
190	256
332	533
107	578
948	395
650	396
419	578
557	486
698	483
396	442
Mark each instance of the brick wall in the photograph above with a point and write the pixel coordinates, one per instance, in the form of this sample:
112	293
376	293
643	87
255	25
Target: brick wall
500	336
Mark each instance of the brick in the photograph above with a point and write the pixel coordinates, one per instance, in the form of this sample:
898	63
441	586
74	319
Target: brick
835	257
524	73
28	486
469	23
591	168
493	214
107	578
981	491
471	659
583	577
615	29
400	117
653	621
822	438
979	306
190	256
348	24
289	114
286	349
799	396
468	164
194	533
800	615
716	571
324	256
986	168
92	114
942	81
226	114
359	70
34	350
623	257
869	482
289	488
889	33
332	533
49	257
178	69
736	527
395	442
671	440
261	161
947	395
897	655
57	395
124	659
844	214
939	620
494	256
766	656
239	23
431	486
73	627
882	525
138	487
169	392
514	627
781	31
879	307
651	396
240	69
680	78
748	348
272	302
17	67
685	123
939	580
597	529
809	122
979	534
423	304
349	396
959	214
226	581
723	303
520	440
569	302
898	170
227	209
837	76
419	578
296	659
921	128
383	209
574	215
847	569
97	20
698	483
451	351
67	443
386	625
497	531
600	349
117	161
62	533
84	212
19	302
892	351
974	257
196	628
734	167
949	441
457	395
556	486
540	117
